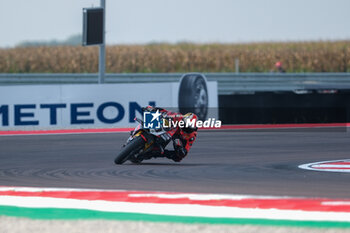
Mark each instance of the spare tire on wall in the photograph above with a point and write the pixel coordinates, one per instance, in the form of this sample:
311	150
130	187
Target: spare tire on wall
193	95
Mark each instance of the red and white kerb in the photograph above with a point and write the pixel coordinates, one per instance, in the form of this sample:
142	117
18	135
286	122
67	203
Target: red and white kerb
328	166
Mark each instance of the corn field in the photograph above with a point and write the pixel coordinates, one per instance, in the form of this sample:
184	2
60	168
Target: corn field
323	56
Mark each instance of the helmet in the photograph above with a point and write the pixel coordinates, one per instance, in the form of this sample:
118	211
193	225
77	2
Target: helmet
190	120
148	108
278	64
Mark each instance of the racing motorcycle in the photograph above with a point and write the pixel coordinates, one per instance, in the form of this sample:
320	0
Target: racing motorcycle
139	146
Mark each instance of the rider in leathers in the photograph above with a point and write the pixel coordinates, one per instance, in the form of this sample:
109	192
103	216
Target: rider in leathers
183	138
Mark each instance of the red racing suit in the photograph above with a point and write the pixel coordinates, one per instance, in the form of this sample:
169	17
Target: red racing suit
182	138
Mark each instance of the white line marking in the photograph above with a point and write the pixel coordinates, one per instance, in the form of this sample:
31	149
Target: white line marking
330	165
203	197
311	166
193	196
335	203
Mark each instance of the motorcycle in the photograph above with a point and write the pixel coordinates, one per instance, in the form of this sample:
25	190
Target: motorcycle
142	142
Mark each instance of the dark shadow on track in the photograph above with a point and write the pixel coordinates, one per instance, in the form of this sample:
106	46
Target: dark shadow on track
254	162
161	164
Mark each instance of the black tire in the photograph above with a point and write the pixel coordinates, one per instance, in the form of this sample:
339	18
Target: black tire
135	145
193	95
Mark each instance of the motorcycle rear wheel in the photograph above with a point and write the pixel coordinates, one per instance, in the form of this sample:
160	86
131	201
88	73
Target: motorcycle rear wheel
134	146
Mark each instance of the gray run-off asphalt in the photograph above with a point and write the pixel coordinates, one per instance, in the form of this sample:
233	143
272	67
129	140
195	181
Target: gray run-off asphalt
237	162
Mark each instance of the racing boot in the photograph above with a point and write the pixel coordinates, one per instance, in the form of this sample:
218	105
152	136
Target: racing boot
172	155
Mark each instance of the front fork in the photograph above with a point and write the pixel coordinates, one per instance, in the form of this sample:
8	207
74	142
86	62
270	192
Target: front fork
149	141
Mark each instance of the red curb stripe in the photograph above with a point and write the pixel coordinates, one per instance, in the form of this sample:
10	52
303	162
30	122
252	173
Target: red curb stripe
305	204
282	126
223	127
332	168
335	163
65	131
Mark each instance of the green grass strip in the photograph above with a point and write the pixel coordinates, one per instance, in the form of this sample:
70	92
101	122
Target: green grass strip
74	214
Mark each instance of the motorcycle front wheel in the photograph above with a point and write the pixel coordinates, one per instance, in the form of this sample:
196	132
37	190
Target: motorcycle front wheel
130	149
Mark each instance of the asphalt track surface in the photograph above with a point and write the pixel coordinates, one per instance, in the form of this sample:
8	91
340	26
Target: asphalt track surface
258	162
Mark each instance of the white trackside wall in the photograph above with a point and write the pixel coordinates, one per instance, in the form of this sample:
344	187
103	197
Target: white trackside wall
87	105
